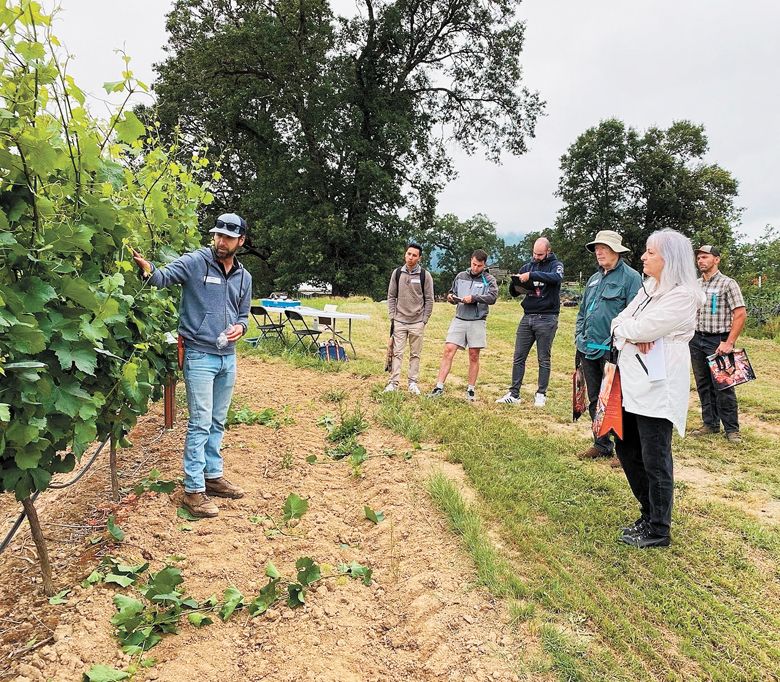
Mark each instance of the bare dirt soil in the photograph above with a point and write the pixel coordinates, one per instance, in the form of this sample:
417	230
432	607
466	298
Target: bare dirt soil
422	618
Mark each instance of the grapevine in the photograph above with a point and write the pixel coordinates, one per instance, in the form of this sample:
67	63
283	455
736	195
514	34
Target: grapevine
82	338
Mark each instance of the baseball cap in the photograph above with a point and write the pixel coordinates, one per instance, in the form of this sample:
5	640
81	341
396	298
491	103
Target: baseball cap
707	248
230	224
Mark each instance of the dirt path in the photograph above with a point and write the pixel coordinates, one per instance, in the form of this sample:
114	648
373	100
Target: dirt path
421	619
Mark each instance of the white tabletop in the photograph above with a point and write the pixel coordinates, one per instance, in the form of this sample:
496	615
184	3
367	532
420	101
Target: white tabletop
306	311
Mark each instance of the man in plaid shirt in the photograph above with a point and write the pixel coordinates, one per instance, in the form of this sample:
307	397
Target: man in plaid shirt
718	325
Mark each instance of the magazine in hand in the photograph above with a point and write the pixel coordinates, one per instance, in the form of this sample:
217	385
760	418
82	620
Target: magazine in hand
731	369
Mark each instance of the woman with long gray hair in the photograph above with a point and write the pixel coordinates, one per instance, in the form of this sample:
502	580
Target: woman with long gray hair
652	336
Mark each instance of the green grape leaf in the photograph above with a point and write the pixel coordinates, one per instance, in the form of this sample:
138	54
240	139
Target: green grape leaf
265	599
308	571
113	86
104	673
79	291
83	356
357	571
27	339
59	598
128	610
295	507
233	600
373	516
296	595
122	580
5	412
199	620
186	514
130	128
116	532
271	571
164	582
37	294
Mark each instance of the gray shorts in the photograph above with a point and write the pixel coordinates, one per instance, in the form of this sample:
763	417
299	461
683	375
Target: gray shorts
468	333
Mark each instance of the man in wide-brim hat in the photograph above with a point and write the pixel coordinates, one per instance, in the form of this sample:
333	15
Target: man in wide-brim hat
607	293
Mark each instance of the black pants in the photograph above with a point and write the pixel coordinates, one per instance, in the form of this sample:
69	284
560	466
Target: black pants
716	406
539	329
646	455
594	372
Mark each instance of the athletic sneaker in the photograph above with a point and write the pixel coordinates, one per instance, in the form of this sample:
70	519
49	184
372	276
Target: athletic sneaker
390	388
471	395
414	389
436	392
509	399
540	399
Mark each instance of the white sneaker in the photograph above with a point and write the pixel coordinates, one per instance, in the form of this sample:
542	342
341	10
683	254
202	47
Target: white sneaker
390	388
471	395
540	400
414	389
509	399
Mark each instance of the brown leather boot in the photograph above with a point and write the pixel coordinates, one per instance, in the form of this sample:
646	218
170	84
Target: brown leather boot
221	487
199	504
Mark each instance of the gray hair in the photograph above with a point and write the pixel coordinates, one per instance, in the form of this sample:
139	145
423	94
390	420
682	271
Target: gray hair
679	262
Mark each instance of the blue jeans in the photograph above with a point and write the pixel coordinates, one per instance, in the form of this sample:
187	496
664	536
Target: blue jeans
539	329
209	380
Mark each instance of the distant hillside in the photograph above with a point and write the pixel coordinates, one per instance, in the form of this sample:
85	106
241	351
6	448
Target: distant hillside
512	238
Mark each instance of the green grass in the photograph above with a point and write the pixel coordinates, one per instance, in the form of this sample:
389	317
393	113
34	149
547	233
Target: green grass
708	607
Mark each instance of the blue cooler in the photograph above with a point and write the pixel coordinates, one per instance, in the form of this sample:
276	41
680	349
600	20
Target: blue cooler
278	303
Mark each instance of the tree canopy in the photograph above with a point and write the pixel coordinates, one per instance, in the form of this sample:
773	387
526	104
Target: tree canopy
619	178
333	131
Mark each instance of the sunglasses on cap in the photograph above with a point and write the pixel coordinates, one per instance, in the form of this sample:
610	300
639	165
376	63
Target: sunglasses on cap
230	227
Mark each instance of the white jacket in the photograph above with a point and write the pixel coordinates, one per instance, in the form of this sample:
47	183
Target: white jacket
672	317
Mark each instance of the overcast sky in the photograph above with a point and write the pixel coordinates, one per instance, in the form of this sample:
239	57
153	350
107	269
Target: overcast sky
647	62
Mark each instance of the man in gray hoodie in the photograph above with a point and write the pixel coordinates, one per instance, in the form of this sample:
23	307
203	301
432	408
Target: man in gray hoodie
213	315
473	290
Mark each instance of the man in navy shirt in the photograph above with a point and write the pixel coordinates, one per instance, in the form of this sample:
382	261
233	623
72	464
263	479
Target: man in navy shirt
540	280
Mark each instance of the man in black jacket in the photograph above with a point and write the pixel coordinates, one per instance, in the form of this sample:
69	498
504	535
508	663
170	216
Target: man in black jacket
540	281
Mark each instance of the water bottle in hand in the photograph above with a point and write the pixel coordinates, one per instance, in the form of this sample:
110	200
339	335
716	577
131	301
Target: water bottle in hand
222	340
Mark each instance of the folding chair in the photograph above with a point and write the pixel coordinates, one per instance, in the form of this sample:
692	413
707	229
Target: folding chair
302	331
265	326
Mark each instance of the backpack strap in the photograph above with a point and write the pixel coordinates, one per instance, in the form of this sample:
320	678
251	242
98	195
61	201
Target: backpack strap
397	275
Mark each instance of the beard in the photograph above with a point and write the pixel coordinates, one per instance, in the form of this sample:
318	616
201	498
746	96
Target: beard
223	252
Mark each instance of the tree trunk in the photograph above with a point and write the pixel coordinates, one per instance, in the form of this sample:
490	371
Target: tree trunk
112	467
40	545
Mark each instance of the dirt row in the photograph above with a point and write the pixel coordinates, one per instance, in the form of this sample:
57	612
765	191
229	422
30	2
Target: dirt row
422	618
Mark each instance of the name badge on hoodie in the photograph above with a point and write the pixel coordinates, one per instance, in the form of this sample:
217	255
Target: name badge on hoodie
415	281
213	280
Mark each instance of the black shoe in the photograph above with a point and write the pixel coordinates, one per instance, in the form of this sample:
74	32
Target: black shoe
646	539
635	528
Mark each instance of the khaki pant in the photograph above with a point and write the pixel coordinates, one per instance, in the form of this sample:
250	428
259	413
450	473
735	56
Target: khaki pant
414	333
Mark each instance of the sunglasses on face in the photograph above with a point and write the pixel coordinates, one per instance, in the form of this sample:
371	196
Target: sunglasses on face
231	227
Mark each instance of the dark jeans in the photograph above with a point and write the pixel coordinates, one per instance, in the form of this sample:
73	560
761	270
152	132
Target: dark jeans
594	371
646	455
716	406
533	328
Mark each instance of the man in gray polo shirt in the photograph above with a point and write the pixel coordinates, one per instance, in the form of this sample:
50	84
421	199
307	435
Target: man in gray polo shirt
473	290
718	325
